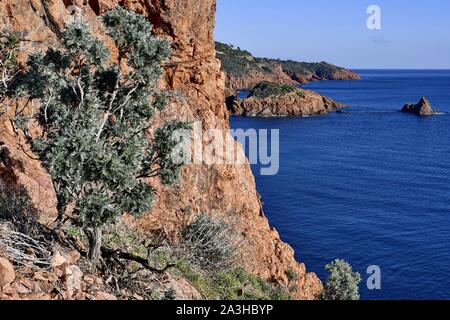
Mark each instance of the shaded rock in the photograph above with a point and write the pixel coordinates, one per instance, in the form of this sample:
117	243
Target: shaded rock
423	108
7	273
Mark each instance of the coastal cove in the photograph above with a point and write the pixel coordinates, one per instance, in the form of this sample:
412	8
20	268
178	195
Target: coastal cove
371	186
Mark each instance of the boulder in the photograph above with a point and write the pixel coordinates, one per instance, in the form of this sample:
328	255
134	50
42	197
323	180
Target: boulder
423	108
104	296
7	273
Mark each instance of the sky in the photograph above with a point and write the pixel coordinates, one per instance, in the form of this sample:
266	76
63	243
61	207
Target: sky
414	34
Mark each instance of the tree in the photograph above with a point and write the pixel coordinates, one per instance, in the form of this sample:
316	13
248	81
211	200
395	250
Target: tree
95	116
9	48
342	282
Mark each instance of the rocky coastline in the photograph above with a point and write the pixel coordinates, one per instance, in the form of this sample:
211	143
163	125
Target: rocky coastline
290	103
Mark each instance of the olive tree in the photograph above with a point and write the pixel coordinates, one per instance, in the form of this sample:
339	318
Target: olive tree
94	111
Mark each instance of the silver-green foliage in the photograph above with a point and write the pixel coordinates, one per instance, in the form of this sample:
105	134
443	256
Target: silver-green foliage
342	282
95	114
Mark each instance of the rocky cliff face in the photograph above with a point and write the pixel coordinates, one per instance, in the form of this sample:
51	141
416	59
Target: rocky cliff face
194	72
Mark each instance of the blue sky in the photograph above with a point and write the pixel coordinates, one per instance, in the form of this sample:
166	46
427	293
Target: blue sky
414	34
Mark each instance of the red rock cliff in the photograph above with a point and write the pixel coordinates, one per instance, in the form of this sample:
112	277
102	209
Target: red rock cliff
194	72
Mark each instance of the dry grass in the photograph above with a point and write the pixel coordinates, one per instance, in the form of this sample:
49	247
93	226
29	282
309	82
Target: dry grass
22	249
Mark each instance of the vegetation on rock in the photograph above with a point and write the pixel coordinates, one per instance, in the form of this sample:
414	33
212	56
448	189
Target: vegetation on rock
342	282
267	89
9	68
269	99
16	208
234	60
94	116
240	64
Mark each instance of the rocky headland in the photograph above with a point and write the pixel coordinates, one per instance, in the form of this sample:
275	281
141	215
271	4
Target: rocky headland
422	108
269	99
194	72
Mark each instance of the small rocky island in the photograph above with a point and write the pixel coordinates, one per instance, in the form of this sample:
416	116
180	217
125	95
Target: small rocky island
423	108
269	99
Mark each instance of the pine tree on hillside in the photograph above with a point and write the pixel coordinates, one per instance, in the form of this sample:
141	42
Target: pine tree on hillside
95	115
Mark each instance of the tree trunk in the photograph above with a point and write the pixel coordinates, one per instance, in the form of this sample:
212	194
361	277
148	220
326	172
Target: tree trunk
95	245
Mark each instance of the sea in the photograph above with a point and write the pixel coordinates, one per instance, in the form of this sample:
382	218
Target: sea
370	186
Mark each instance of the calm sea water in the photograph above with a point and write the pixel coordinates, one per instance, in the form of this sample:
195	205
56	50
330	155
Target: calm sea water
371	186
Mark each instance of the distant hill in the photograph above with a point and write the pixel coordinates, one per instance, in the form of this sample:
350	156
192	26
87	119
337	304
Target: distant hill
244	71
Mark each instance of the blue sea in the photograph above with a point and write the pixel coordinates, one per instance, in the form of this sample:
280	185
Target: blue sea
371	186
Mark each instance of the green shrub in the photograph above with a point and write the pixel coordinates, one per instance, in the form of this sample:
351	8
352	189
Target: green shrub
342	283
95	117
291	275
170	294
123	237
